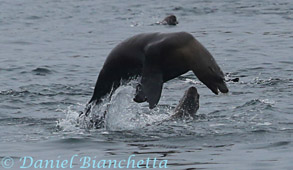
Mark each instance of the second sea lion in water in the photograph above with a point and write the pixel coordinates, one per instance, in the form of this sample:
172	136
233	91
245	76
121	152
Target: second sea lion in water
188	105
157	58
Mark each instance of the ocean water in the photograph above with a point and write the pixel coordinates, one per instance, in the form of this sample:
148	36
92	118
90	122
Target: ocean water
51	52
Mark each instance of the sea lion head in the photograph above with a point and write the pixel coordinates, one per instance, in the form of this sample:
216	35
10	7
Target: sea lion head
188	105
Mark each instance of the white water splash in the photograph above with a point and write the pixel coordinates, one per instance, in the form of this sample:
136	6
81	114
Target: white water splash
125	114
122	113
69	123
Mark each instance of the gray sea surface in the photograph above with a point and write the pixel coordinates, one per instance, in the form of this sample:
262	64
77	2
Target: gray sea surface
51	52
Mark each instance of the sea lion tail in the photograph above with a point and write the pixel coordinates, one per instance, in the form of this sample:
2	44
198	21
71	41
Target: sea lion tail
89	107
86	111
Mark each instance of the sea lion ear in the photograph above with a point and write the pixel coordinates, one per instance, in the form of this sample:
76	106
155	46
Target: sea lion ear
152	83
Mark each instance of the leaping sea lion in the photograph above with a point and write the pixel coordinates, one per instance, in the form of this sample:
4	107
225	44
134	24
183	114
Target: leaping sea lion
157	58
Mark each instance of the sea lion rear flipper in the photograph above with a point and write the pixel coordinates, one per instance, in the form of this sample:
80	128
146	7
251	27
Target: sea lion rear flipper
152	83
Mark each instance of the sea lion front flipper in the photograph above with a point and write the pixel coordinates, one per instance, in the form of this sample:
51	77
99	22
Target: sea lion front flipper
152	83
207	70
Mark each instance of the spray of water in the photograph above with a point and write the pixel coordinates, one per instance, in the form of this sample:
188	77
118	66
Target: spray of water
121	113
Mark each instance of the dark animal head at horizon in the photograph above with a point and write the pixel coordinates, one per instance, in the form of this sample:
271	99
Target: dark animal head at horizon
170	20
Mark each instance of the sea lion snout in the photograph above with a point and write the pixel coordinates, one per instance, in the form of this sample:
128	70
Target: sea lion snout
192	92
